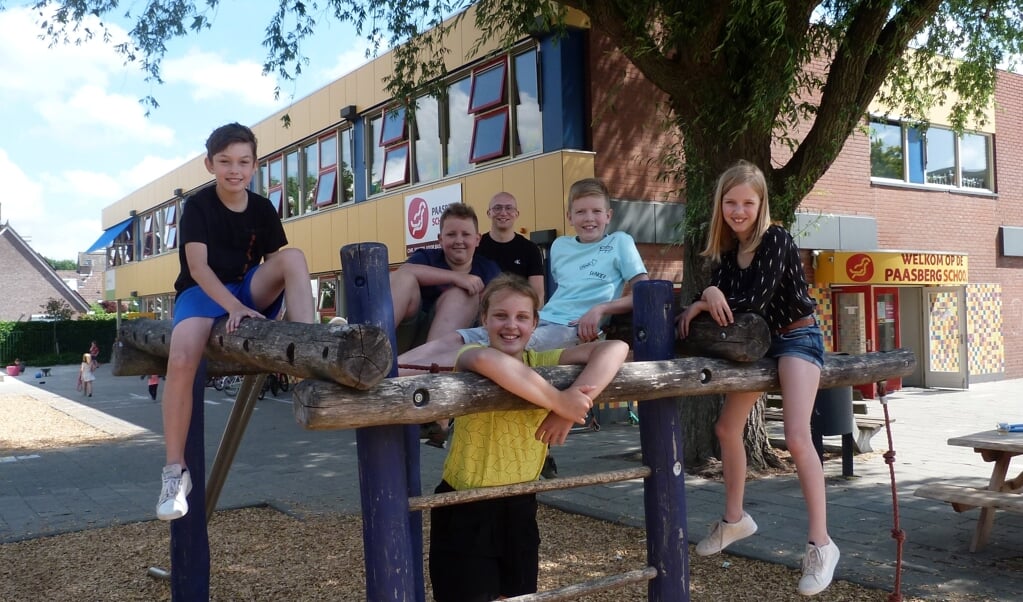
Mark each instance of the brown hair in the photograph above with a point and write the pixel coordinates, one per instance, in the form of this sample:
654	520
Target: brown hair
511	283
226	135
719	237
462	211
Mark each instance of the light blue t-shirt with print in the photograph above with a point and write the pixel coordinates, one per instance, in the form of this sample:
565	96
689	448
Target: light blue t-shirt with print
589	273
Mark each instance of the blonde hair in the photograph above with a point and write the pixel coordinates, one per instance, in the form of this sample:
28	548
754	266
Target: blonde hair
86	358
720	237
588	187
512	283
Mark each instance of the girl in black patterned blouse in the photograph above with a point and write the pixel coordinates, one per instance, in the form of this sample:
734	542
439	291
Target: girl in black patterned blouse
758	270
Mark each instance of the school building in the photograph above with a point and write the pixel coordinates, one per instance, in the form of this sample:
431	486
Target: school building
913	238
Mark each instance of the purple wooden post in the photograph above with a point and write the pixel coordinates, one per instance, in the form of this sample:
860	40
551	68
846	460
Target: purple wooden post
189	542
660	433
388	456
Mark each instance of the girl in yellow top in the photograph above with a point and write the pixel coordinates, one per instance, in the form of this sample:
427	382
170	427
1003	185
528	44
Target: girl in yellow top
482	551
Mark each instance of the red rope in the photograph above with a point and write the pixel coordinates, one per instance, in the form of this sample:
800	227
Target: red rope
897	533
432	368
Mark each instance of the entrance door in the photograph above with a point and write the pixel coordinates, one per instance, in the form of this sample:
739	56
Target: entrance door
945	360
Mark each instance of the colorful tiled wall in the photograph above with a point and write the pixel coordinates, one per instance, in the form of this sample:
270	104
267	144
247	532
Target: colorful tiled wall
825	314
943	307
985	345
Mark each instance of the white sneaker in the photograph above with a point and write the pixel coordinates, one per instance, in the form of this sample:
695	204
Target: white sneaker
818	568
722	534
174	495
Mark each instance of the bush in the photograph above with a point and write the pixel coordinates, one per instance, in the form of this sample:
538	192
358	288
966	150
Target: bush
51	343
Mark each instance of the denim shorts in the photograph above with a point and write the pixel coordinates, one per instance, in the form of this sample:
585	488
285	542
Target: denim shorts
547	336
806	343
193	302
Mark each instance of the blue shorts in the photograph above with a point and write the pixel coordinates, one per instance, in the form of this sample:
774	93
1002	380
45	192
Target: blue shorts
193	302
806	343
547	336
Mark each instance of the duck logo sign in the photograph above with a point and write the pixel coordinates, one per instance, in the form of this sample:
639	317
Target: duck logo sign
422	216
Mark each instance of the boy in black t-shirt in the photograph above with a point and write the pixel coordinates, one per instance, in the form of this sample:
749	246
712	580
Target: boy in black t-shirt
513	252
232	265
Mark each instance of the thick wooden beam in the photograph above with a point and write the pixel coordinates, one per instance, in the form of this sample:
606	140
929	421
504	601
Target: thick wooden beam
353	355
129	361
428	397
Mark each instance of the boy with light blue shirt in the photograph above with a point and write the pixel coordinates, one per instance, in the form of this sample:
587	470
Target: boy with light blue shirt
591	270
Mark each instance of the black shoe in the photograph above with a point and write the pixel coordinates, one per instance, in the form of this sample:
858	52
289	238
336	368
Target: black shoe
550	468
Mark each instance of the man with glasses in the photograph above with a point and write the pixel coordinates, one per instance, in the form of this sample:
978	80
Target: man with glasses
515	253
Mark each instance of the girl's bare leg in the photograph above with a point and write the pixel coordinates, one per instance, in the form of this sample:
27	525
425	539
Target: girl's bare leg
729	430
799	380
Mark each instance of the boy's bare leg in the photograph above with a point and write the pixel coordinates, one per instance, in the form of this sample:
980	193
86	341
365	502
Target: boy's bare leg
441	351
286	271
187	342
405	295
455	309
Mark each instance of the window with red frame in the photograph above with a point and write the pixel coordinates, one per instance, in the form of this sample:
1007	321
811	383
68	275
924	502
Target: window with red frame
488	101
326	183
394	141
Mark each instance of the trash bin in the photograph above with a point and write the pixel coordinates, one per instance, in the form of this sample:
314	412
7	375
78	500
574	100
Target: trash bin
833	415
833	412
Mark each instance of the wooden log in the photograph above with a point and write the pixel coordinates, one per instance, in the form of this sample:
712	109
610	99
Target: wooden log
354	355
428	397
450	498
129	361
746	339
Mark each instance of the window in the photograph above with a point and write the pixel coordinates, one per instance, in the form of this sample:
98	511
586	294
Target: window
311	162
490	136
345	167
488	102
459	127
528	127
485	113
394	141
170	228
326	183
931	156
275	184
292	185
429	161
488	85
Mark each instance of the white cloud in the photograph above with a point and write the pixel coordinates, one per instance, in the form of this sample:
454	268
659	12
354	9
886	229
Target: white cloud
346	62
211	78
99	118
26	57
26	205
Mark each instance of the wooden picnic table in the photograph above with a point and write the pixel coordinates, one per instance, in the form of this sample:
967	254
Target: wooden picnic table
996	447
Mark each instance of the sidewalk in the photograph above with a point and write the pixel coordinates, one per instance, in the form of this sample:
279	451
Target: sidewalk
57	491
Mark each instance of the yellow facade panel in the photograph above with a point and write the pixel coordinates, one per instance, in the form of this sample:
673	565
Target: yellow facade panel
518	181
549	192
477	189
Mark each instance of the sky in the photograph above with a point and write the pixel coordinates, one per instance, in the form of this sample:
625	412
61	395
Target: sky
75	138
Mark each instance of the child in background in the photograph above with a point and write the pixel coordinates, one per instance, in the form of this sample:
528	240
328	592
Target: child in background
759	270
86	374
154	384
486	550
233	266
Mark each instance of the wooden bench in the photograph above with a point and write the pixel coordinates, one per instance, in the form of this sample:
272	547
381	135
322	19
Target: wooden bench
965	498
866	427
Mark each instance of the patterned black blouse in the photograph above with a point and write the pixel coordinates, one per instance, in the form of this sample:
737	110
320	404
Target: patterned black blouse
773	285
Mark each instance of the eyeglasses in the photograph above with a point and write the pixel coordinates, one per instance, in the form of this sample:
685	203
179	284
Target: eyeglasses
503	209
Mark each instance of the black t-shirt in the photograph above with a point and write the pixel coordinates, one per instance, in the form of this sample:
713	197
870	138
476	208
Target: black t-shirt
235	242
517	256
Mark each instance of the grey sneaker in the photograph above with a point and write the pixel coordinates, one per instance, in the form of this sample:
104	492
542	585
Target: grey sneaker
173	497
818	568
722	534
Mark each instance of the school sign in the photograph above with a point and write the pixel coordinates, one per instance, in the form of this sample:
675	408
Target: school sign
894	268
